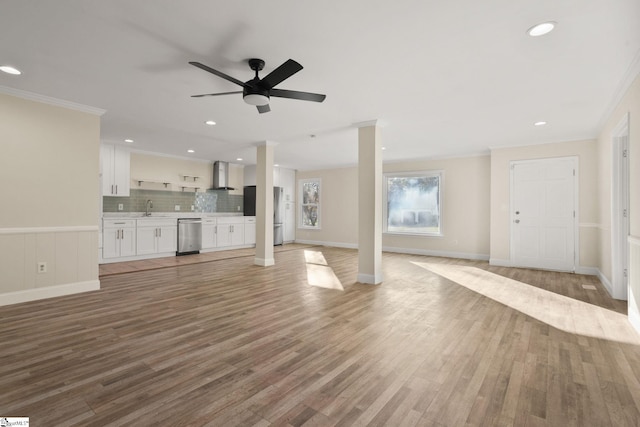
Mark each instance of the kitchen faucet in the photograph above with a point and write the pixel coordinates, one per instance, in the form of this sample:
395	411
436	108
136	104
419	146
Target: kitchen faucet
149	206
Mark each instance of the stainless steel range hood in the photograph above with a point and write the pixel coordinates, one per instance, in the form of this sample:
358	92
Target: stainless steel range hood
221	176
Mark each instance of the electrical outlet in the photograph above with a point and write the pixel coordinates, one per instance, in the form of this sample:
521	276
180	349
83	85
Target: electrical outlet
177	208
120	207
238	208
193	208
42	267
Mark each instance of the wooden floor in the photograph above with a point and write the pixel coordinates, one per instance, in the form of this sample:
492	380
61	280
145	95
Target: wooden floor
225	343
175	261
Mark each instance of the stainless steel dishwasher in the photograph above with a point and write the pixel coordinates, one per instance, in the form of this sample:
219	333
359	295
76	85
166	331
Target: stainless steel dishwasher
189	236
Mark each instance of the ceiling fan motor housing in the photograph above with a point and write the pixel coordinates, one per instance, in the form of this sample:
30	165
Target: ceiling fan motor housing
254	94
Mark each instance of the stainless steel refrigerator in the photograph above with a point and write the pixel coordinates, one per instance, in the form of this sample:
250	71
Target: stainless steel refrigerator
278	215
278	210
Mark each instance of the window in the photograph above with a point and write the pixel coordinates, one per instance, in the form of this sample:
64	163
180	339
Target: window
413	203
309	203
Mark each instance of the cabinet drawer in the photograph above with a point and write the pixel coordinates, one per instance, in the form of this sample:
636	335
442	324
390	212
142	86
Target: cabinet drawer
231	220
210	221
118	223
157	222
249	219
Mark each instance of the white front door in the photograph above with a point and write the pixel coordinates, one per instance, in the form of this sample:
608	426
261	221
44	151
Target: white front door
543	205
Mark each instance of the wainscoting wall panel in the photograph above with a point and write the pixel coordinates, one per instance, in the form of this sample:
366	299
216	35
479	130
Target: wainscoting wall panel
69	256
634	282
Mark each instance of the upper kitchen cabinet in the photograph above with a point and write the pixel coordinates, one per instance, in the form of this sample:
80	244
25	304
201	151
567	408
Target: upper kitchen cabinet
116	170
281	177
236	179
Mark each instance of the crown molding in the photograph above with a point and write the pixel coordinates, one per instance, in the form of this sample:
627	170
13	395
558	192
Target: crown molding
633	71
31	96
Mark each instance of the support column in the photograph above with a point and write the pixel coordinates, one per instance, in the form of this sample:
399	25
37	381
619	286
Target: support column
264	205
369	203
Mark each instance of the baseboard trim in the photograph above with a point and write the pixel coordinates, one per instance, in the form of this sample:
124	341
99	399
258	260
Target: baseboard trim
262	262
369	279
411	251
332	244
48	292
634	319
589	271
500	262
444	254
605	282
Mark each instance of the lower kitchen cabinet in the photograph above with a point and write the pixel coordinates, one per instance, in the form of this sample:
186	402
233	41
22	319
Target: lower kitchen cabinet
230	231
155	236
249	230
118	238
209	234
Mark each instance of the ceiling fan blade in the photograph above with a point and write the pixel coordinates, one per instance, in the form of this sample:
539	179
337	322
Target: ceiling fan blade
217	73
283	72
215	94
294	94
263	108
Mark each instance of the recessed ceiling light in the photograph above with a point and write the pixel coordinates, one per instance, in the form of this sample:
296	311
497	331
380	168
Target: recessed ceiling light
540	123
128	140
541	29
210	123
384	148
10	70
190	151
276	165
239	159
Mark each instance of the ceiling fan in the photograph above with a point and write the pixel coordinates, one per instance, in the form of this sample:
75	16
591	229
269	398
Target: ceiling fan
257	91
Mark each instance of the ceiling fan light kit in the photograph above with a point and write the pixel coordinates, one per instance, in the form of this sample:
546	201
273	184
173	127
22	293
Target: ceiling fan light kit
259	91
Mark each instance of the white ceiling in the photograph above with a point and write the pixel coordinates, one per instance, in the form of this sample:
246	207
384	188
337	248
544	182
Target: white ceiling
445	78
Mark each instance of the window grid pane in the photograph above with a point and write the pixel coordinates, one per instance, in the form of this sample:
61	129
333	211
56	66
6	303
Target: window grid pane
413	204
310	204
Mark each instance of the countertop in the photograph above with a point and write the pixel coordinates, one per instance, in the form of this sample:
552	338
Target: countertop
140	215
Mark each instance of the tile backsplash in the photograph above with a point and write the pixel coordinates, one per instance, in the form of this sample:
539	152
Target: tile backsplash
166	201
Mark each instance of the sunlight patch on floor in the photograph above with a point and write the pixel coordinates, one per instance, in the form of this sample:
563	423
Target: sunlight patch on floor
559	311
319	273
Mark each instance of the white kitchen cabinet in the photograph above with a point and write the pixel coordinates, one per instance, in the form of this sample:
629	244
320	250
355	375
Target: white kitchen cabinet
249	230
118	238
230	231
155	236
236	178
209	234
249	175
116	170
287	179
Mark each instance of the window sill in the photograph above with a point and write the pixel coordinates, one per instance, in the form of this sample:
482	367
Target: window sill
398	233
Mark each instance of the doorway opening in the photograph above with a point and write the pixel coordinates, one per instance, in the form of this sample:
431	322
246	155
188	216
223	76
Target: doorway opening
620	210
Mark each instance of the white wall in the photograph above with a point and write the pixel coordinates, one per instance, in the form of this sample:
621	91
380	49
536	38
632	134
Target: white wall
629	104
169	169
588	197
465	209
338	208
49	169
